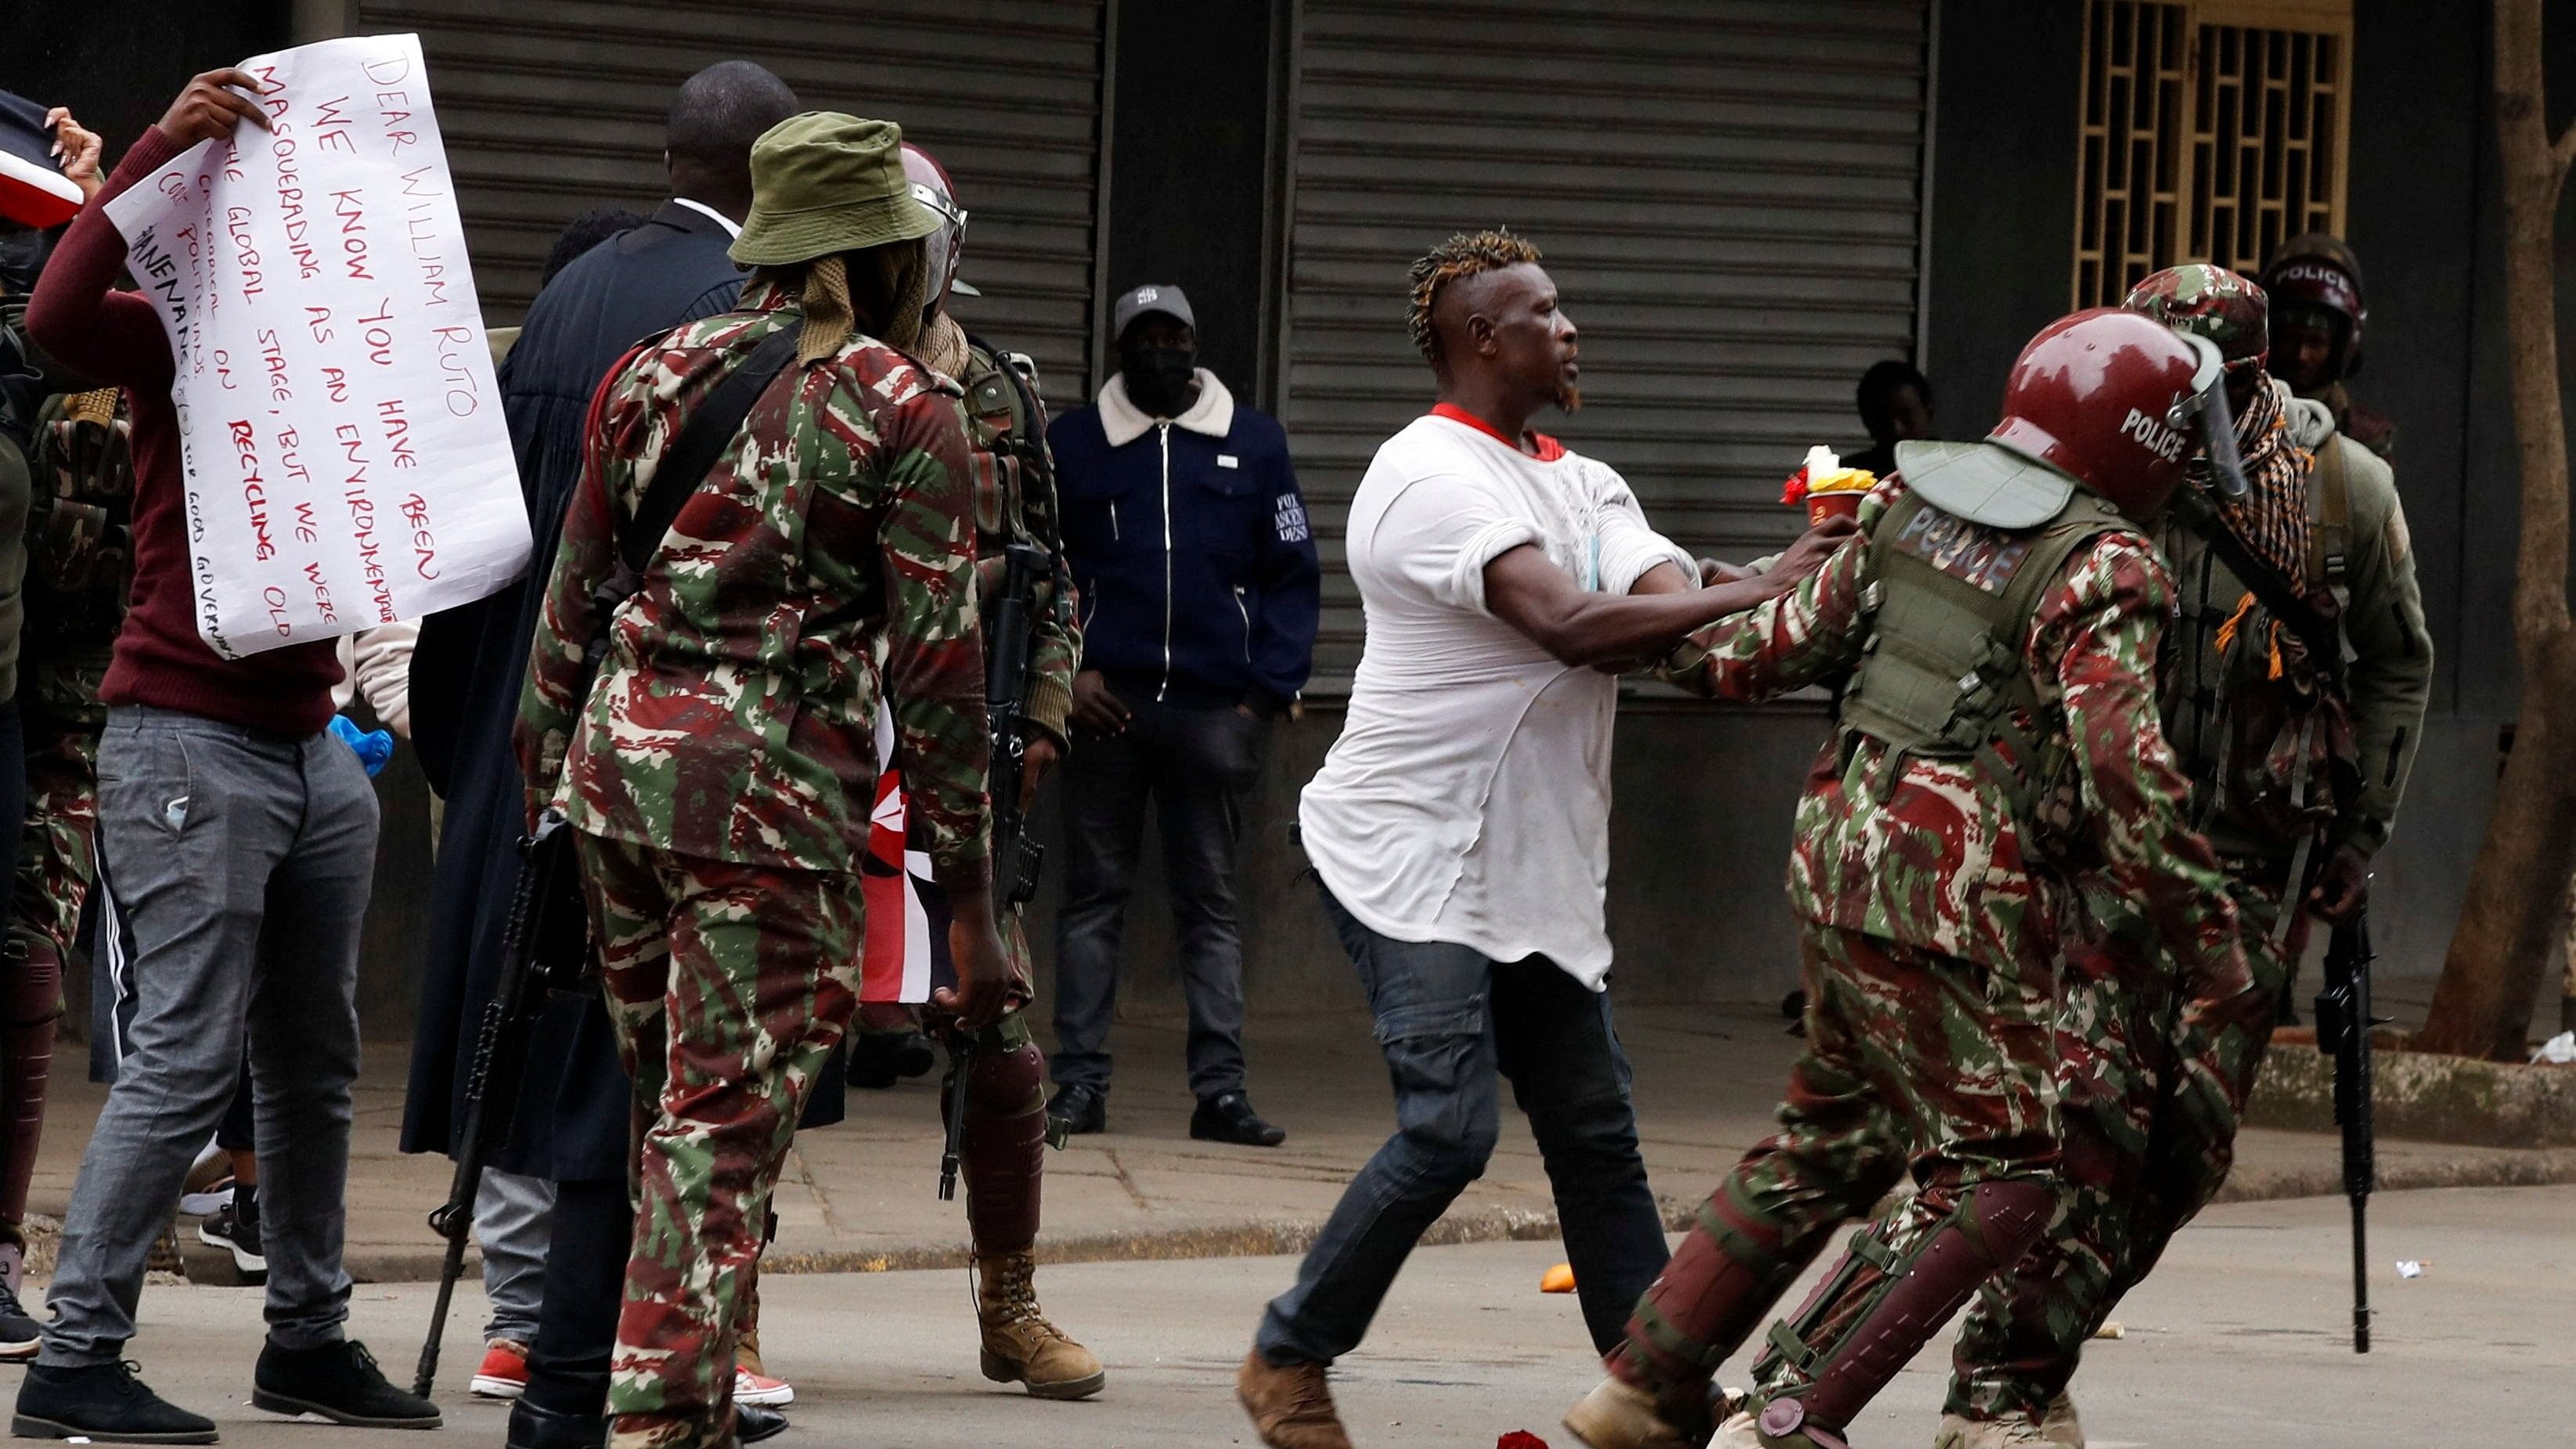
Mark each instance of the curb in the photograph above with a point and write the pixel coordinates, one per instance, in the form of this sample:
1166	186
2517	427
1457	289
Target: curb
2421	1096
1267	1237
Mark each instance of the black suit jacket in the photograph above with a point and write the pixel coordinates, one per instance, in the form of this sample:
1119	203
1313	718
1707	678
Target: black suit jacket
466	676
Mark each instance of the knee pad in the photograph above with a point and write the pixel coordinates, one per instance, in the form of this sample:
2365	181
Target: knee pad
1005	1083
35	986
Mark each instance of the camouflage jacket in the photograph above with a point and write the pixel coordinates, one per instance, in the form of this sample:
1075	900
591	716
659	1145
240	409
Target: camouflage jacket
1927	852
1015	502
823	568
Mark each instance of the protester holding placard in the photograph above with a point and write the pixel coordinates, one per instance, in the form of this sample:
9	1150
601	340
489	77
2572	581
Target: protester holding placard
219	790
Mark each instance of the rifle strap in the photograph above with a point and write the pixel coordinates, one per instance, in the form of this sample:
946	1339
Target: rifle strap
2321	634
702	440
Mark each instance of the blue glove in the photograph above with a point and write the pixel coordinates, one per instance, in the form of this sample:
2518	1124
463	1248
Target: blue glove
374	747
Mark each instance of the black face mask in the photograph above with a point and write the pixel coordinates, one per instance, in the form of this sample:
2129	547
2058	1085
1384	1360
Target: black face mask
1161	381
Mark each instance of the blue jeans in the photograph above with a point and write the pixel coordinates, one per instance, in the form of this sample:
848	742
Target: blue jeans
1449	1021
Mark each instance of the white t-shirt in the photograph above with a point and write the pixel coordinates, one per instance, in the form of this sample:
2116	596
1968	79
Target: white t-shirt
1468	798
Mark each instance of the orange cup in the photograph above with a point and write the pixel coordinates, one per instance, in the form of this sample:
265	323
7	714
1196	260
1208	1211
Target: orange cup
1841	504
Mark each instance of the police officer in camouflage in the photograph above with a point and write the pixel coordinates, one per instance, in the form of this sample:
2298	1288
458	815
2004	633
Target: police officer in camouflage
1999	619
720	771
2297	764
2313	281
1004	1140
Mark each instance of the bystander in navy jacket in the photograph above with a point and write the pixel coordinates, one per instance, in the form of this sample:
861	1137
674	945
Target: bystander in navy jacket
1191	552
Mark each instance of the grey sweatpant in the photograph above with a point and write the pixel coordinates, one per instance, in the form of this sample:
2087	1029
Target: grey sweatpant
513	1218
243	861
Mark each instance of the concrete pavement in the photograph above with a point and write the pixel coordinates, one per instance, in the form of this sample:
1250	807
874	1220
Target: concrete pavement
861	1196
2237	1341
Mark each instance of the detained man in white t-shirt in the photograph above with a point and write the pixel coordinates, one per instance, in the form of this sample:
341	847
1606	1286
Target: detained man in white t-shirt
1461	824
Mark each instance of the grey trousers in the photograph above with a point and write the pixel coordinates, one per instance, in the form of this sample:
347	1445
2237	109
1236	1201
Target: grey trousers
243	862
513	1218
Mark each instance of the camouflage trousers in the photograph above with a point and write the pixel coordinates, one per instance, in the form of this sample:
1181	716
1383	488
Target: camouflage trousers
1914	1060
57	856
2154	1076
729	985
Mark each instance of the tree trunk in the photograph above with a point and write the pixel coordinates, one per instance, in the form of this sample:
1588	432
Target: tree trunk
2489	979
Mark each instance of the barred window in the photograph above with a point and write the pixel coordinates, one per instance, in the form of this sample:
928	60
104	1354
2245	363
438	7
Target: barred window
2210	131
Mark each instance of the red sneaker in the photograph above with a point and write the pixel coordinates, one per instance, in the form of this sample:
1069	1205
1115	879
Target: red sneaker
504	1373
761	1389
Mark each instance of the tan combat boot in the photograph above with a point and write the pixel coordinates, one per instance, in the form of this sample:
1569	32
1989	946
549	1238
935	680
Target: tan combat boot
1020	1346
1292	1407
1619	1415
2060	1429
1961	1432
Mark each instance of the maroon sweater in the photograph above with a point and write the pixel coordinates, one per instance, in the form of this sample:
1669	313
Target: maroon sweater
77	315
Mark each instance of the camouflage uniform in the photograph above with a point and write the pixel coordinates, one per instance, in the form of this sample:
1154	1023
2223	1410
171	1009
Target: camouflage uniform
720	772
1932	907
79	563
2156	1072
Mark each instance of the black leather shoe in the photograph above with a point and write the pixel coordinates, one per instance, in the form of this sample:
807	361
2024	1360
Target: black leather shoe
752	1423
532	1427
340	1382
104	1403
1081	1109
879	1059
1228	1117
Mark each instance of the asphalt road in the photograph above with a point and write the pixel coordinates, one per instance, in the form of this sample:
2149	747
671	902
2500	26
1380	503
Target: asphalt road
2238	1340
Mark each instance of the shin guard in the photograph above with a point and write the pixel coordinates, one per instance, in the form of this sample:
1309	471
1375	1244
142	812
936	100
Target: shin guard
1727	1273
1902	1301
32	1003
1005	1144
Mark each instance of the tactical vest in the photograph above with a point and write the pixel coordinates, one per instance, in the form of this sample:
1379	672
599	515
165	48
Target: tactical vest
2256	722
1942	675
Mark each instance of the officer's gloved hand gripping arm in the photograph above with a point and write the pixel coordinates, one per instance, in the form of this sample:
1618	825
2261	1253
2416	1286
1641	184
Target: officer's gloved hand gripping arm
1806	634
1584	628
2095	636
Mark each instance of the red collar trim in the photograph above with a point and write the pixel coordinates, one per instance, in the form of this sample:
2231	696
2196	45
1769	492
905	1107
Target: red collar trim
1540	445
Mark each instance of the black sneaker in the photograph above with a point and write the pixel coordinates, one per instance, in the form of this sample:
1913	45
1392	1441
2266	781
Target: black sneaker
104	1403
340	1382
878	1059
1080	1110
239	1236
1228	1117
752	1423
19	1335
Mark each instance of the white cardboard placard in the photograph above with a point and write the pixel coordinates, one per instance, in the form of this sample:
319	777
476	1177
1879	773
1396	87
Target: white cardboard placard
347	462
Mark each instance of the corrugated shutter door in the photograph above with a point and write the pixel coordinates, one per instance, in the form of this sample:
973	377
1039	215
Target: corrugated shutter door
552	107
1727	196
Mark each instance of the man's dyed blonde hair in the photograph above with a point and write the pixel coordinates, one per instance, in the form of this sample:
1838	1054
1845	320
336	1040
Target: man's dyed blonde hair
1467	254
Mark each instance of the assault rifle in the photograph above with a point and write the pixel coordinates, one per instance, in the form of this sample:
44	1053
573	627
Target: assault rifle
2343	1032
1016	858
544	950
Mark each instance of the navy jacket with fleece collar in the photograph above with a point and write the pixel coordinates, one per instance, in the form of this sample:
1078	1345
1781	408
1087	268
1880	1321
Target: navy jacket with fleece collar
1192	556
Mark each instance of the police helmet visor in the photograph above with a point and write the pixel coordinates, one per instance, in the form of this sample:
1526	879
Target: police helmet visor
2203	411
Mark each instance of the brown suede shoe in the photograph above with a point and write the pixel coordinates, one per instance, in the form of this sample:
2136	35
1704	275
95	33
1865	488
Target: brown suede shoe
1292	1406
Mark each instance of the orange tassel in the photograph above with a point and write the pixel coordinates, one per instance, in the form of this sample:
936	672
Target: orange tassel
2227	631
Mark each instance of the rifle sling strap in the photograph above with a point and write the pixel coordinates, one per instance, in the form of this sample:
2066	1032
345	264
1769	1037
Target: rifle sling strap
2320	633
702	440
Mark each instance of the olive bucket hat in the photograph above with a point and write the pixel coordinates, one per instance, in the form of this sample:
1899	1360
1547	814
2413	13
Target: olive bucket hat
823	183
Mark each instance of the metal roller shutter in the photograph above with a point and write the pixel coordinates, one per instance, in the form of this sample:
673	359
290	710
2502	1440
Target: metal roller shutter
552	107
1727	195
